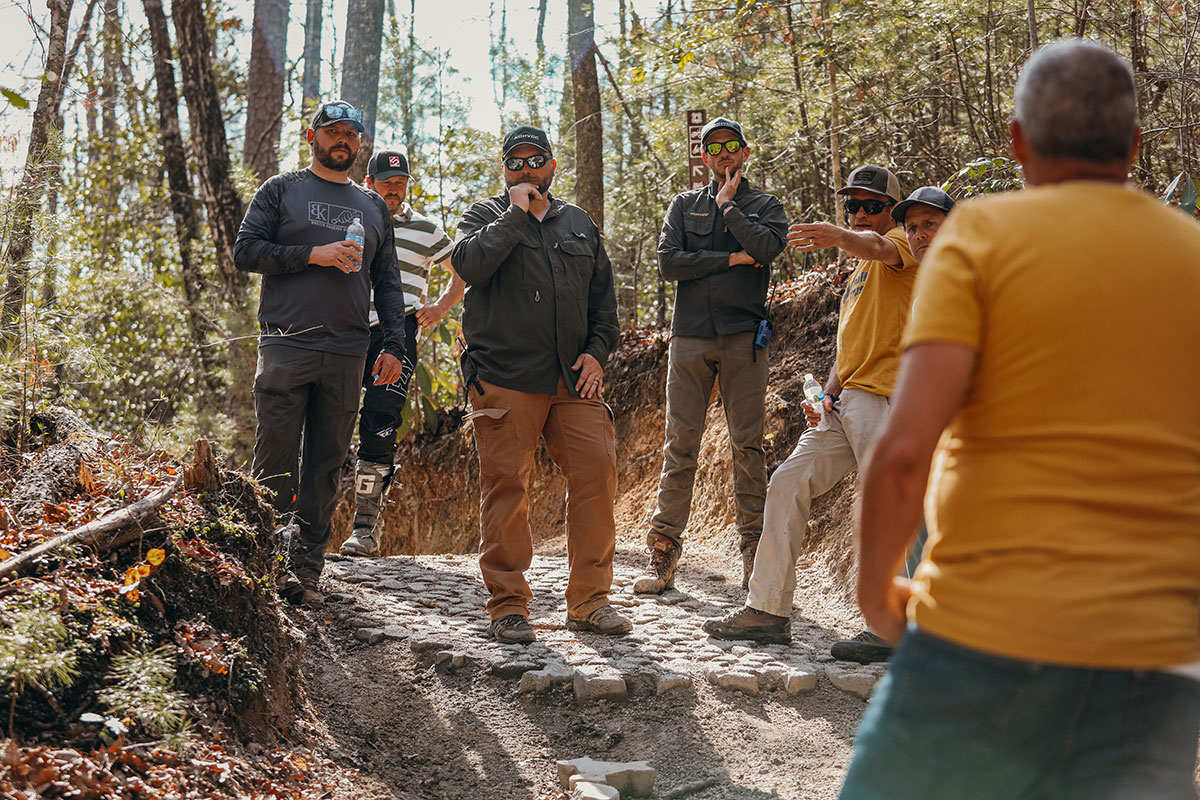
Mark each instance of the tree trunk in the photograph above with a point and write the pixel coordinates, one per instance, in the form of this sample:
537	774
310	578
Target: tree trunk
264	88
112	68
835	152
29	191
360	71
589	131
310	84
207	128
1033	36
187	222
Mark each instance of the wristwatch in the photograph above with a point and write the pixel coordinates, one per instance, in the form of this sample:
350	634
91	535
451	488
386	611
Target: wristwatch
727	204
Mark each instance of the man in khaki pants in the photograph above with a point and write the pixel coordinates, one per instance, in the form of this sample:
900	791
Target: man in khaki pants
875	308
540	318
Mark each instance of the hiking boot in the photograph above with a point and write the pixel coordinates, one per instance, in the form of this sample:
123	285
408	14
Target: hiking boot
605	619
513	629
750	623
748	554
299	592
363	542
370	482
660	572
866	648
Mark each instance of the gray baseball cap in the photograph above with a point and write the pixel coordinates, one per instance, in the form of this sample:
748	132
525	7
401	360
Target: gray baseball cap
874	179
927	196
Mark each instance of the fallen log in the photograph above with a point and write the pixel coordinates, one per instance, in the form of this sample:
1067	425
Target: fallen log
92	531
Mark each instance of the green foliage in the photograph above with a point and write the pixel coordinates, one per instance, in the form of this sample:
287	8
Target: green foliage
984	176
34	652
1186	186
139	688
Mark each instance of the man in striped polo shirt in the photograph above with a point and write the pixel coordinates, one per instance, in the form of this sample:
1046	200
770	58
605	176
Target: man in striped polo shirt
420	243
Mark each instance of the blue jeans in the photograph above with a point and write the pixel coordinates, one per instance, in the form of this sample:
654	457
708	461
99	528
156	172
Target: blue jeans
949	722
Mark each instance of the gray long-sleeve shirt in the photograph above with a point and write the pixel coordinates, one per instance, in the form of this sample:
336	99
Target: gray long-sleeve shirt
314	307
713	298
539	294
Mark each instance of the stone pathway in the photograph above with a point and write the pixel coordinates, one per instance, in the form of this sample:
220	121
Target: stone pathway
436	605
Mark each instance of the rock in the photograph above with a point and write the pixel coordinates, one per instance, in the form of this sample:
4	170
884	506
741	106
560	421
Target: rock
588	790
859	684
395	632
666	681
734	679
591	686
799	681
542	679
449	658
634	778
771	677
358	577
672	597
369	635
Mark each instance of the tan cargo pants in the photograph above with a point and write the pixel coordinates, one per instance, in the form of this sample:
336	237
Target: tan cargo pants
580	439
819	460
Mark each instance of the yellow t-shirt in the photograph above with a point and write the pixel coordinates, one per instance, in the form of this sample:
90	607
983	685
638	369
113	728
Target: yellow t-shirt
875	308
1064	504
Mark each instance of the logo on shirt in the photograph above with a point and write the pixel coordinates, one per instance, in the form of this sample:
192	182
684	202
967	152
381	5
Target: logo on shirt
328	215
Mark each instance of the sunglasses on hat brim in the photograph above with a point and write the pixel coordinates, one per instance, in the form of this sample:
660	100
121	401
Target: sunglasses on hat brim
335	113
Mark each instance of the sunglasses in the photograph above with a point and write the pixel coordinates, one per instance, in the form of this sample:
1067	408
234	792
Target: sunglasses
342	112
733	145
535	162
852	206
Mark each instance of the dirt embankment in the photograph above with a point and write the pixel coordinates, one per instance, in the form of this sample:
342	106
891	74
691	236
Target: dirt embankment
433	507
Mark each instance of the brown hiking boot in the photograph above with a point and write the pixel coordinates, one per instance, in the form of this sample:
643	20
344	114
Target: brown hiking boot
750	623
748	554
605	619
660	572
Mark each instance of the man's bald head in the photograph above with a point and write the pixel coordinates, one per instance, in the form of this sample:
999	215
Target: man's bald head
1076	99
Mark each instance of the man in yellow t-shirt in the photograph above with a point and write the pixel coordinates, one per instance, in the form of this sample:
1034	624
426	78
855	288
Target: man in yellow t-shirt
1053	627
875	308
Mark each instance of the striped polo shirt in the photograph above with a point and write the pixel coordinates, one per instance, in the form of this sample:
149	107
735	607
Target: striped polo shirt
420	243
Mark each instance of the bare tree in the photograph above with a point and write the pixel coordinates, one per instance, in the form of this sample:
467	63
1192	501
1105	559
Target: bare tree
29	192
207	128
264	87
589	131
360	71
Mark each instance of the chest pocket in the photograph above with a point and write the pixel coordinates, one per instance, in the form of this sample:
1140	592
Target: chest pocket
697	232
577	261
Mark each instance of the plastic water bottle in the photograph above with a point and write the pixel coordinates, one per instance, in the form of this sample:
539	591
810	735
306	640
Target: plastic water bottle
357	233
815	395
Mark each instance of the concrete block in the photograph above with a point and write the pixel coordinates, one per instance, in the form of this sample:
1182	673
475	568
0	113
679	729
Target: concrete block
666	681
736	680
859	684
588	790
799	681
633	778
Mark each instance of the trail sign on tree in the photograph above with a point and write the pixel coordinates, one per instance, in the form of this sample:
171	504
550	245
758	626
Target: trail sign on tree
697	171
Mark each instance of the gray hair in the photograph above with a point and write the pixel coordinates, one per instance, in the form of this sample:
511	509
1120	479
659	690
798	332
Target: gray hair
1076	99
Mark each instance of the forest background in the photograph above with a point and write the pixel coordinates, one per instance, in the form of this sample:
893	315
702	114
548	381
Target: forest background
135	134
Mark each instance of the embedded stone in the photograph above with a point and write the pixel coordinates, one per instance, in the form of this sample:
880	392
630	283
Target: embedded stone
635	778
799	681
592	686
368	635
859	684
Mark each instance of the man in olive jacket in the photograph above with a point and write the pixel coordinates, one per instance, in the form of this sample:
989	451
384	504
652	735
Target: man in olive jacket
540	319
718	243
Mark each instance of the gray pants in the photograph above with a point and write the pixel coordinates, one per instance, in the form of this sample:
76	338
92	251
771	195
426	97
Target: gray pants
819	461
306	402
693	364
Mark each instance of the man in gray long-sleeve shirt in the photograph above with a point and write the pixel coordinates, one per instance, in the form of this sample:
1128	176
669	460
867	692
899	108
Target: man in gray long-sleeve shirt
718	243
313	329
540	319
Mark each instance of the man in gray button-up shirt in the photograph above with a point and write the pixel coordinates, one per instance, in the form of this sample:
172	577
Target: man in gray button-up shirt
718	243
540	319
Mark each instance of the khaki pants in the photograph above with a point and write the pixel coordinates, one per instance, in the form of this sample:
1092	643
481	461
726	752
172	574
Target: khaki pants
580	439
693	364
819	461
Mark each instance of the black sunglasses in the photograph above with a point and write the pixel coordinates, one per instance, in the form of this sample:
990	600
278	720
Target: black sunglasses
535	162
714	148
870	206
342	112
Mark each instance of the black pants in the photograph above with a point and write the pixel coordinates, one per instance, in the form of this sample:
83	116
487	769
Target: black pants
383	405
305	401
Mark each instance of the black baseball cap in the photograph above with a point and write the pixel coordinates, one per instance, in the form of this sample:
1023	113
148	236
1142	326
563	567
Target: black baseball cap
720	124
927	196
386	164
338	111
526	134
874	179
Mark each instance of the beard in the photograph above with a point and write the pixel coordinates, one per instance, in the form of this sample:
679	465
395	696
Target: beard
338	161
542	187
